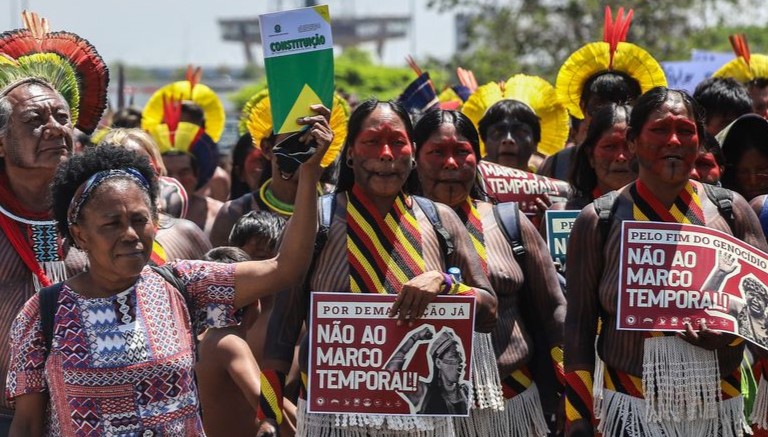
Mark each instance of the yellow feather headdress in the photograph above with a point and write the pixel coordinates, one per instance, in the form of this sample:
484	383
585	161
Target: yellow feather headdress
611	54
535	92
256	118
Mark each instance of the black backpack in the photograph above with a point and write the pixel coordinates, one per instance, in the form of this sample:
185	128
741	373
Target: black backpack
49	298
507	215
605	208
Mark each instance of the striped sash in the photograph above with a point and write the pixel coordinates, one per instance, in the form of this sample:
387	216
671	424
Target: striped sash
516	382
468	214
621	382
383	252
685	209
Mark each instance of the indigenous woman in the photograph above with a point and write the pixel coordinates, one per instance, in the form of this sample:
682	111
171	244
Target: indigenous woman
528	292
374	193
118	357
602	162
611	70
680	384
516	119
275	194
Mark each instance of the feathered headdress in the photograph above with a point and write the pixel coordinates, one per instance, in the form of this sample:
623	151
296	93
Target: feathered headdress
611	54
535	92
746	66
256	118
191	90
66	61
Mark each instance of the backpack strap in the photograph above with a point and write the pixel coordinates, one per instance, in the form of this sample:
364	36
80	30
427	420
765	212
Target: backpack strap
430	210
507	215
326	207
49	300
605	207
723	198
764	216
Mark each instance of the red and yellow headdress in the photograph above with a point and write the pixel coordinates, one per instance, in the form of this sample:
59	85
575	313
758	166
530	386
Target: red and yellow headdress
66	61
256	118
746	67
173	135
535	92
191	90
611	54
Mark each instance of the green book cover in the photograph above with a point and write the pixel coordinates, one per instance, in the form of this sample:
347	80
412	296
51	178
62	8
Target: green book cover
298	58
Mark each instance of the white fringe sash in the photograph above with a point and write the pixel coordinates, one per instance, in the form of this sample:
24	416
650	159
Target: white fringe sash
369	425
624	415
521	417
486	383
681	382
56	271
759	414
598	385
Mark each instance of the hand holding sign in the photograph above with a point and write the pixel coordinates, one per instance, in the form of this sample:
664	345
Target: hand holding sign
706	338
416	294
307	146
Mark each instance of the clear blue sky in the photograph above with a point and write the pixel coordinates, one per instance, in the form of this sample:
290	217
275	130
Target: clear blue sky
178	32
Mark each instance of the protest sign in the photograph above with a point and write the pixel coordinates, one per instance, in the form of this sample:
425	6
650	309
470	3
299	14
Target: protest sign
298	59
559	225
508	184
672	274
686	75
360	361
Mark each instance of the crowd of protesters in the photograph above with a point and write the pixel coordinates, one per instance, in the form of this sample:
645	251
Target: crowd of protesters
145	290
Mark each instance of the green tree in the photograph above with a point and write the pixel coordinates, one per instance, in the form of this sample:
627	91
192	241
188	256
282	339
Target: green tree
536	36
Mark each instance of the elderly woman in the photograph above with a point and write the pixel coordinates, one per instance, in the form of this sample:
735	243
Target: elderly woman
528	292
374	189
111	350
641	394
176	238
602	162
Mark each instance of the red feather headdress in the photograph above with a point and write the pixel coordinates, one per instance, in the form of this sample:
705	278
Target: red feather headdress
89	68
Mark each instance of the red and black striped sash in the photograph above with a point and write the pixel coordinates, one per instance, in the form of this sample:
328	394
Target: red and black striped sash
685	209
468	214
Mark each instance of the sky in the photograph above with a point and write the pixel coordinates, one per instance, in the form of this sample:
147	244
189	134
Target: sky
164	33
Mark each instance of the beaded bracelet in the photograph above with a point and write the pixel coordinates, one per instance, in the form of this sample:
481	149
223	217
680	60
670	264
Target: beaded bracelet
447	284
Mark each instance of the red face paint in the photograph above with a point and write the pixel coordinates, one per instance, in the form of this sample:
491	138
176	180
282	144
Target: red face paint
610	159
706	169
668	143
447	166
381	154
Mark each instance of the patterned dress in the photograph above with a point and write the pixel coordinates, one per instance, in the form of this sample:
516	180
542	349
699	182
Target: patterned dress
122	365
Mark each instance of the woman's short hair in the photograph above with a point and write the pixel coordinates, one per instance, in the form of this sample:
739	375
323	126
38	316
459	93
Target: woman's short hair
611	86
431	121
583	177
71	174
655	99
355	125
510	109
118	137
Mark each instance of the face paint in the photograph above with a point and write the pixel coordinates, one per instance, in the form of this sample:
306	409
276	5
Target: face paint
610	159
706	169
447	166
668	143
510	143
381	154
